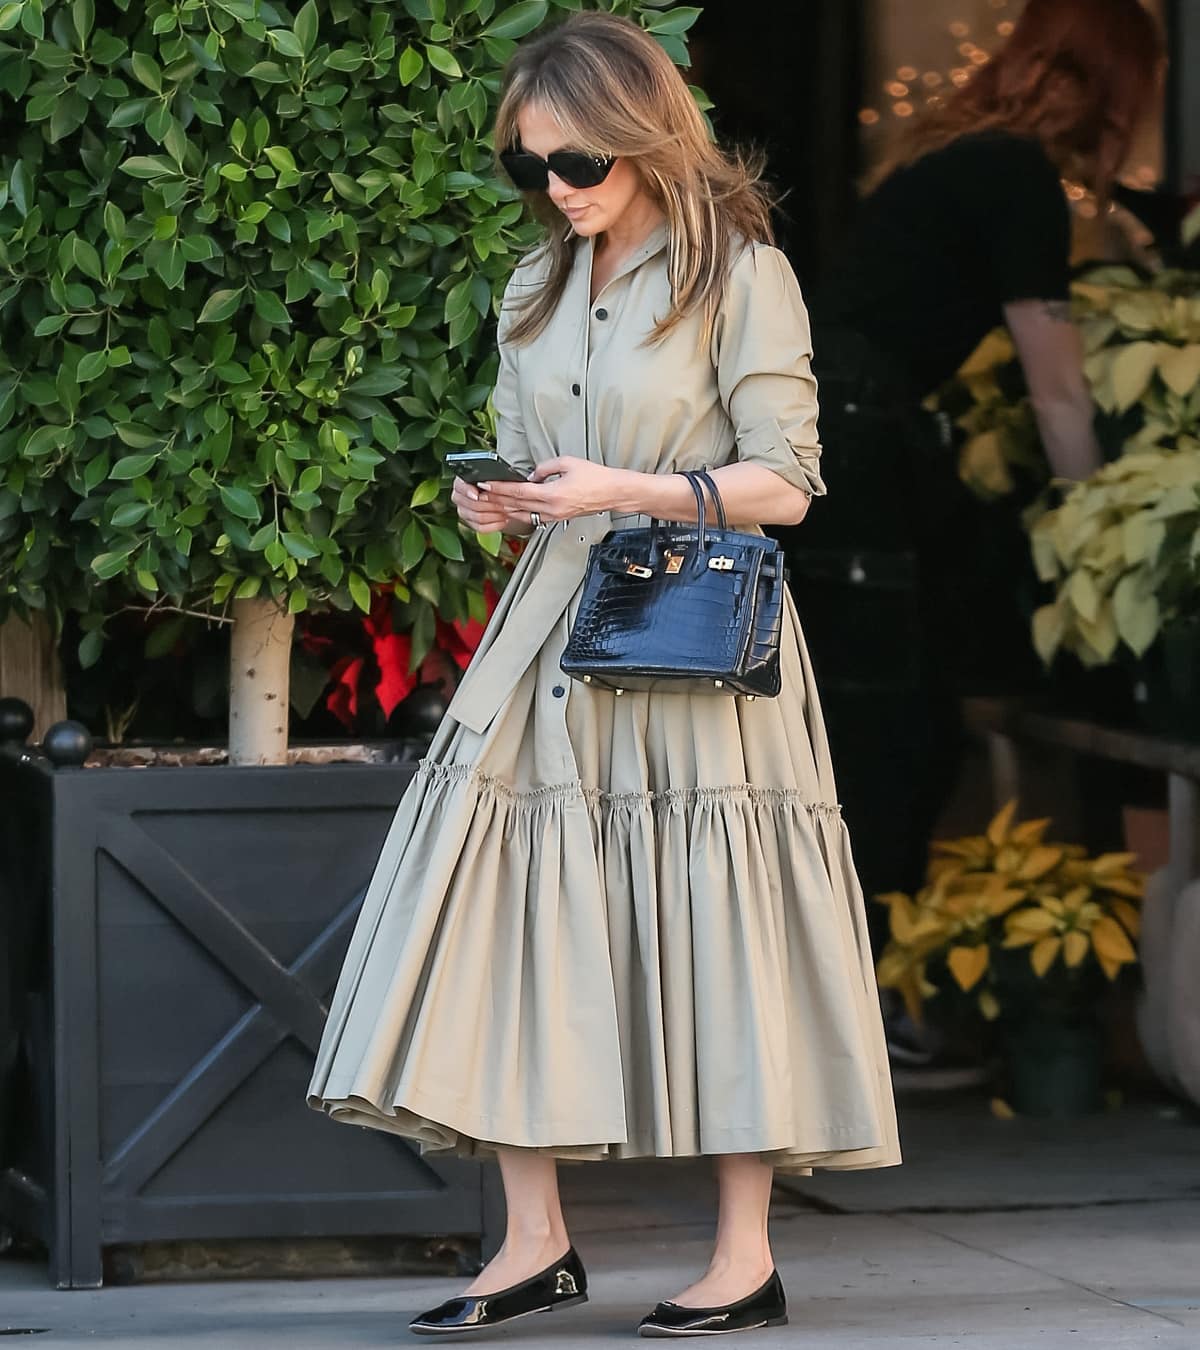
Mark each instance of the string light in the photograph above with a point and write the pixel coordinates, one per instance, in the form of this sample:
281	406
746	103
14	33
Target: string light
930	88
910	86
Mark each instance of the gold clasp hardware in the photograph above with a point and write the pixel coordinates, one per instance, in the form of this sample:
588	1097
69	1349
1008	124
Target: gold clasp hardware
637	570
674	563
721	563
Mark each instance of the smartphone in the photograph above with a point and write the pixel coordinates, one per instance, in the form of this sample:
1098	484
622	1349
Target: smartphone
483	466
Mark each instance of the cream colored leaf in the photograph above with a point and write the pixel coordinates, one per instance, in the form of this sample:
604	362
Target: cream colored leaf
1083	594
1045	552
989	1005
1176	501
1136	612
1048	630
1096	330
1101	637
1097	369
1142	537
1141	310
1132	369
1179	367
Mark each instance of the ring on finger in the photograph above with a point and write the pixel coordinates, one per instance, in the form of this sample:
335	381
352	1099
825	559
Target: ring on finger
535	520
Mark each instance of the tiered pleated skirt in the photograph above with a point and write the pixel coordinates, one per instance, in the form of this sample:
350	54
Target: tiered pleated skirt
618	927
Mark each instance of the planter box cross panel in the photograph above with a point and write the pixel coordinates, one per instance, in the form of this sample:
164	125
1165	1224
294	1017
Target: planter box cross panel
170	937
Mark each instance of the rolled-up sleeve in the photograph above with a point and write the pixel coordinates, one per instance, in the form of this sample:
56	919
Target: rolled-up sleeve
511	441
762	351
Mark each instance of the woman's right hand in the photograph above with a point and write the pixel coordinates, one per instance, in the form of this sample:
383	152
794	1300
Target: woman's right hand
476	510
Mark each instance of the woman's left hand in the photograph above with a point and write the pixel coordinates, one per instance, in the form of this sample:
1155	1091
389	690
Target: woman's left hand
579	488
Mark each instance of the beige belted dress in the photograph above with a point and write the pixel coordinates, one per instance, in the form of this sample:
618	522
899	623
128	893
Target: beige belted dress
623	926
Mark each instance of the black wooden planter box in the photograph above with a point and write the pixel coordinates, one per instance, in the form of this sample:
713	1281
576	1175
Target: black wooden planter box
169	938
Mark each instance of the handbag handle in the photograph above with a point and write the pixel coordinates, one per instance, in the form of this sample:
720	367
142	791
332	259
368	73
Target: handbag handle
701	523
709	482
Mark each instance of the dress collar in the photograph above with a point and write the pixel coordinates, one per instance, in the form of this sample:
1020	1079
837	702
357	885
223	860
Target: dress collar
655	242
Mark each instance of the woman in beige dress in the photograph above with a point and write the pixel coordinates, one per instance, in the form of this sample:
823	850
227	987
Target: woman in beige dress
627	926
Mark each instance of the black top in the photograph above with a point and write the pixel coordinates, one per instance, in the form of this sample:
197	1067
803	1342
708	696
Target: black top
941	245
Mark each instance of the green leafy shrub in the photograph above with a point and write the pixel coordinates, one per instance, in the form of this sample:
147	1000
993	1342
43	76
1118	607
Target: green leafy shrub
250	255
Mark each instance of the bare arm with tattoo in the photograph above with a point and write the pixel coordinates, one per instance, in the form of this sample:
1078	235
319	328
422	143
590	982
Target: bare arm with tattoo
1051	354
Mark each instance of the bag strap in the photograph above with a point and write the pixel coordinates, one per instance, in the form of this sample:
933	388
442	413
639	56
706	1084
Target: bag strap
701	518
709	482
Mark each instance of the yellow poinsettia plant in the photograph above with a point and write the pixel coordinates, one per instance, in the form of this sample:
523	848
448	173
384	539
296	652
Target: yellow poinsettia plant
986	400
989	896
1141	342
1123	552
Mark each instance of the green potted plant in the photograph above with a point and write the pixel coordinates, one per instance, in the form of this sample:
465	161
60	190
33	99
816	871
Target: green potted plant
1023	935
259	248
250	259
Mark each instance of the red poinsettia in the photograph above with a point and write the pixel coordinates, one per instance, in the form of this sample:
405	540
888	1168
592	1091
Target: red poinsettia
393	653
454	646
460	639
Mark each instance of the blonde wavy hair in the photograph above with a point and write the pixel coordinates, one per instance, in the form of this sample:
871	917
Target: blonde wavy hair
614	91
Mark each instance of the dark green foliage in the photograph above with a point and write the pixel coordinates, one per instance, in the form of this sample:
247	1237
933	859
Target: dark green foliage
249	261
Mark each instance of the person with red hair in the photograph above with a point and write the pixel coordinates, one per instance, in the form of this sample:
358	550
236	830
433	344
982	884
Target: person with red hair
967	227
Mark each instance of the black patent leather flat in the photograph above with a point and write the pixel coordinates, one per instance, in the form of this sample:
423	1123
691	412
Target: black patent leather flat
766	1307
560	1285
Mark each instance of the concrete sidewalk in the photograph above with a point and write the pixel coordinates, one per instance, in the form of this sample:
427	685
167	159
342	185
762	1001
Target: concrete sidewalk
995	1235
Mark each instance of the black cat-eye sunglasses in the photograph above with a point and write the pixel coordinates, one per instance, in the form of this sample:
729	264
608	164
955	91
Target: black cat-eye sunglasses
531	173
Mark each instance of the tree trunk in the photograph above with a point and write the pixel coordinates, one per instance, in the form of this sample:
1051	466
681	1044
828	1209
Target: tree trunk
260	651
30	670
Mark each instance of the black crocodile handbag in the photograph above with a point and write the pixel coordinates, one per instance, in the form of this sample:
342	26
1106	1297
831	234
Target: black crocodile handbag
681	608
